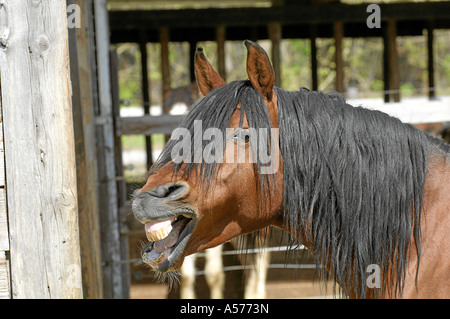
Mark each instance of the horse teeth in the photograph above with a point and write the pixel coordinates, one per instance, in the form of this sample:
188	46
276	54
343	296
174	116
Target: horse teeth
159	234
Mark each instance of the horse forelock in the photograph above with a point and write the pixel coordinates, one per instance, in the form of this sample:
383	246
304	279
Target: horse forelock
215	111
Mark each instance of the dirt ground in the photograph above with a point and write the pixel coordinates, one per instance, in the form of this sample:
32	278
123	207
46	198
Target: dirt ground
274	290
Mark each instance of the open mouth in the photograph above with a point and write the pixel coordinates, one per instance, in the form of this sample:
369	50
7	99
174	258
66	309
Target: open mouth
167	240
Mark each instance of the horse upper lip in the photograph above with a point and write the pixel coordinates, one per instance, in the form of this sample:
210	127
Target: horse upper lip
161	203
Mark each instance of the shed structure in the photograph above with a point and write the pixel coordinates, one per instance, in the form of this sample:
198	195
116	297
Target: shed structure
147	21
63	200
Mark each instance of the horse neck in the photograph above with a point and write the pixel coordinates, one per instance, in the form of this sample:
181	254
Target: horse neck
433	276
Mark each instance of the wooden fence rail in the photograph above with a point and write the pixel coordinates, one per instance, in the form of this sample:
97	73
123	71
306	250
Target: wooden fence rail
147	124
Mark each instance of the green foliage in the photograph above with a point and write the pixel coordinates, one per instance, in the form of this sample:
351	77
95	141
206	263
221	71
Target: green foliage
130	73
363	59
363	67
296	64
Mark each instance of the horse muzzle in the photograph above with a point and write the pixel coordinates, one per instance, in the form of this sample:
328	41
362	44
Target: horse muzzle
168	222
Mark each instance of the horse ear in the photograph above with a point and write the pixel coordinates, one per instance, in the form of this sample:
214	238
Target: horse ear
207	78
259	69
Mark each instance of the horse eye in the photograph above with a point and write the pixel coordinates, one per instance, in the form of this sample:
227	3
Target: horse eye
242	136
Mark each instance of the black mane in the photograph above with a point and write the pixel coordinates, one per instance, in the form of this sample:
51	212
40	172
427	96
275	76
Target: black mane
352	177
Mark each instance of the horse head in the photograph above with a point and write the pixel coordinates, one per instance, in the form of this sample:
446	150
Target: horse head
210	195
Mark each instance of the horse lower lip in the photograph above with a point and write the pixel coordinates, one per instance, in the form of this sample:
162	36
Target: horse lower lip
153	258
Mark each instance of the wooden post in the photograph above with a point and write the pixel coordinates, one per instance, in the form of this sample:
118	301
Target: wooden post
386	85
165	66
121	184
165	70
220	38
109	210
146	91
192	50
5	287
431	86
338	36
39	152
276	36
85	147
394	71
313	38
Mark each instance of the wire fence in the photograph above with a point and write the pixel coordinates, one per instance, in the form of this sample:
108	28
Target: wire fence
138	261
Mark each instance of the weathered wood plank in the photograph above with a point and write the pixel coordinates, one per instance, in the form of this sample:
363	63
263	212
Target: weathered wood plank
165	67
121	184
4	230
5	289
2	146
147	124
85	146
287	15
314	63
2	150
146	97
221	34
338	57
109	215
275	36
392	55
430	52
39	149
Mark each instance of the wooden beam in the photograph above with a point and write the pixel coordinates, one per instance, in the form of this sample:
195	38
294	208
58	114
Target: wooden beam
121	183
220	39
192	50
109	210
148	125
392	54
165	71
386	85
85	147
164	4
430	51
39	152
314	65
145	86
338	36
165	66
5	289
275	37
287	15
4	229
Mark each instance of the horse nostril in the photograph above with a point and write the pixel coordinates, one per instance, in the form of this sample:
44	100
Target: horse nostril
171	190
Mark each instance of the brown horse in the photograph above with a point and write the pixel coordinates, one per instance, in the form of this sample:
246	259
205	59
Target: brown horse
366	194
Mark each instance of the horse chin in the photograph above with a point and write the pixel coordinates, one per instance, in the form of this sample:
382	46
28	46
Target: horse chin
170	259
